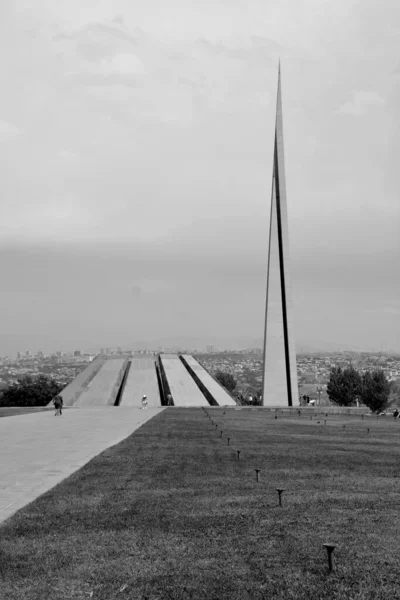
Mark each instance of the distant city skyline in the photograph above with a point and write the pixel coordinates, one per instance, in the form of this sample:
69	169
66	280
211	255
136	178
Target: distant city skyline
201	346
136	152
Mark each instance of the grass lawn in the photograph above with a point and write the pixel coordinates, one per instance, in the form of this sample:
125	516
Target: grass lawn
11	411
170	513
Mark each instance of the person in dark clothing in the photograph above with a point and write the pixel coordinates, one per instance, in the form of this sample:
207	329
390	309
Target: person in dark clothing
58	403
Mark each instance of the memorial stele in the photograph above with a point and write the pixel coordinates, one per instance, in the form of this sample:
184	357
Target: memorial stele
279	367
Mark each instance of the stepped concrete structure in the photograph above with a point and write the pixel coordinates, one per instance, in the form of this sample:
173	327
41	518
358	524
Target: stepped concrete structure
279	370
212	390
81	382
123	380
183	388
104	387
141	380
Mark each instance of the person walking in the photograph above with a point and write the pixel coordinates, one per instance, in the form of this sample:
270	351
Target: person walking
169	400
144	402
58	402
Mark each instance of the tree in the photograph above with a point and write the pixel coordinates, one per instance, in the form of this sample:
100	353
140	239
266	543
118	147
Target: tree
375	390
31	391
344	386
394	396
226	379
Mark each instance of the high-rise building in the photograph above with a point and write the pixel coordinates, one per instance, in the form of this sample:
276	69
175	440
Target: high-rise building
77	353
279	369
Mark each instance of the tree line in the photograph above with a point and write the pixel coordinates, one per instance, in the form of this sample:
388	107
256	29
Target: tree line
31	391
346	387
372	388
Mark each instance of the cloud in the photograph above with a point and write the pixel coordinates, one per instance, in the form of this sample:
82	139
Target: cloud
360	102
8	131
384	310
68	155
127	64
166	68
94	34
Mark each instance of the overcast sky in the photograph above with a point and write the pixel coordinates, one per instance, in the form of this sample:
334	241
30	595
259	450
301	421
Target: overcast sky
136	145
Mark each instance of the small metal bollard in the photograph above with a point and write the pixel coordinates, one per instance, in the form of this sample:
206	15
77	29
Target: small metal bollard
257	474
280	492
228	440
368	430
330	548
216	425
238	454
221	433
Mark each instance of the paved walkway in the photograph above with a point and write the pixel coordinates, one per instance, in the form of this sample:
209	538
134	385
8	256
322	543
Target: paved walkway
39	450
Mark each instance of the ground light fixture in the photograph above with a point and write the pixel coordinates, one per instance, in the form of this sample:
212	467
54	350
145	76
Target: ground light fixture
280	492
330	548
257	474
228	440
238	454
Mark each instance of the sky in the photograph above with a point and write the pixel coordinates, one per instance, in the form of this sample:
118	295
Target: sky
136	143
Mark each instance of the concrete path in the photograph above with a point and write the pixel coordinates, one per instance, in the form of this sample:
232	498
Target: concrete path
39	450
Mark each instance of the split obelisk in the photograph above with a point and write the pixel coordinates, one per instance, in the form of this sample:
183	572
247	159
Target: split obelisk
279	368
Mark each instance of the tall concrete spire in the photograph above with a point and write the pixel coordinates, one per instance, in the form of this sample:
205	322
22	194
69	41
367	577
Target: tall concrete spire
279	369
